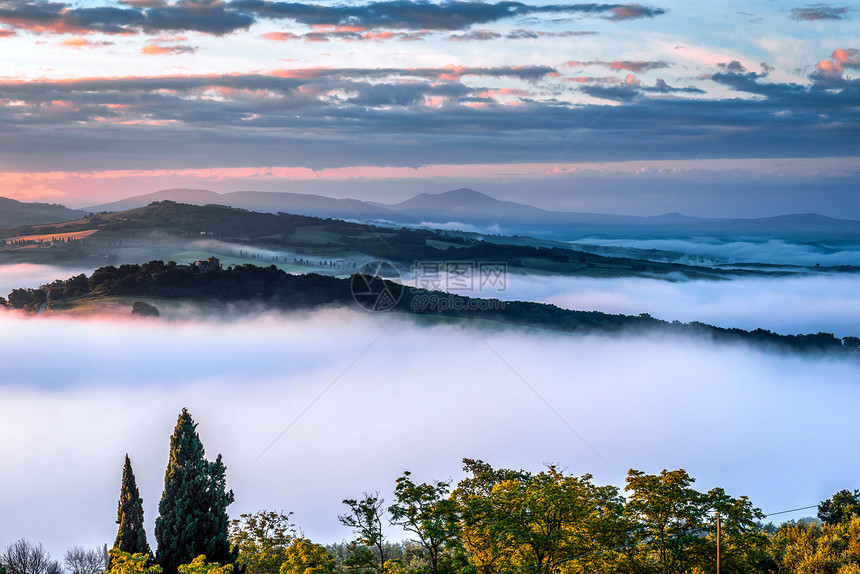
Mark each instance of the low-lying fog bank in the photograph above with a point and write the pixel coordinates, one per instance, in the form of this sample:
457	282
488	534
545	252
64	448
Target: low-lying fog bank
76	395
711	251
789	305
30	275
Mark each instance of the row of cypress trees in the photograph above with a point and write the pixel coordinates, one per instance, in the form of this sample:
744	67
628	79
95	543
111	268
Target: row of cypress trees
192	513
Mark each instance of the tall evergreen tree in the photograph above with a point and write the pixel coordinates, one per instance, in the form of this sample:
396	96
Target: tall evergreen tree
131	536
193	508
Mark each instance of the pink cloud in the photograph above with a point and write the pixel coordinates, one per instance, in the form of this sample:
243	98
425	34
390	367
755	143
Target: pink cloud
155	49
280	36
166	38
847	58
79	42
302	73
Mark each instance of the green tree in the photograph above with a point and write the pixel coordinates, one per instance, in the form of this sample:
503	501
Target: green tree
125	563
365	519
424	510
840	506
262	539
193	508
553	517
669	518
743	544
306	557
480	515
131	535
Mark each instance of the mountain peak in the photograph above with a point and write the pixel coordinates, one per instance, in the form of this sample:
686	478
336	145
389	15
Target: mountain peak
463	199
465	192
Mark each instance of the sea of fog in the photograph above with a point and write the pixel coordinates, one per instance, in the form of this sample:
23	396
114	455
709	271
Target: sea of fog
713	251
29	275
828	302
791	305
312	408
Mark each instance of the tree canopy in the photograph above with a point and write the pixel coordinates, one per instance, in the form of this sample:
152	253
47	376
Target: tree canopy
193	508
131	535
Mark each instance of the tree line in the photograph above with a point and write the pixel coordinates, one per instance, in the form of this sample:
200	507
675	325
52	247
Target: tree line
493	521
277	289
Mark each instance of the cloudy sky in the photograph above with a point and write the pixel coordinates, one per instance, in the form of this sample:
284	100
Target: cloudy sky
604	107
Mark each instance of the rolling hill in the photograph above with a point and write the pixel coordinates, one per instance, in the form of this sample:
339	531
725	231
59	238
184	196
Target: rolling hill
16	213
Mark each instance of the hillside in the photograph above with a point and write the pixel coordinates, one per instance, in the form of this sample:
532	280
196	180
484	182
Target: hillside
15	213
166	229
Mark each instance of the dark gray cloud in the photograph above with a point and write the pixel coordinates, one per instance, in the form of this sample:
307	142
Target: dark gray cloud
628	65
817	12
661	87
413	117
619	92
627	89
476	35
733	67
417	15
207	16
220	17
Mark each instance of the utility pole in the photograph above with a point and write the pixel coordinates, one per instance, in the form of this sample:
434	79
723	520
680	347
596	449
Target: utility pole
719	535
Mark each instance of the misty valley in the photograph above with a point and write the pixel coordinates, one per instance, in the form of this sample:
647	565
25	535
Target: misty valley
711	355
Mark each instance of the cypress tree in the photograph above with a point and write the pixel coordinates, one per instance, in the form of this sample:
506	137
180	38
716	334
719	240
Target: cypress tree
130	537
193	508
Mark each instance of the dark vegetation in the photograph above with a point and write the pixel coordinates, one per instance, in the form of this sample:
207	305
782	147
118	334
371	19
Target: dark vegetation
277	289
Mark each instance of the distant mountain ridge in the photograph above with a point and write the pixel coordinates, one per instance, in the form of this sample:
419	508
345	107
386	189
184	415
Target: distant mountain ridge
469	208
16	213
263	201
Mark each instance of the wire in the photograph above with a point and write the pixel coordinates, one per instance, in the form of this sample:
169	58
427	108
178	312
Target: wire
634	545
792	510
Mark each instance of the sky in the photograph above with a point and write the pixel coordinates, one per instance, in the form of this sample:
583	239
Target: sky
726	108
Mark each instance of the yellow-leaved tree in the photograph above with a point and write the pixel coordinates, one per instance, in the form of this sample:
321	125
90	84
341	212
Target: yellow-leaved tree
200	566
126	563
306	557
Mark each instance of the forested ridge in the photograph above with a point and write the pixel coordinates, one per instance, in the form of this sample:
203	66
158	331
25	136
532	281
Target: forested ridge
276	289
283	231
493	521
